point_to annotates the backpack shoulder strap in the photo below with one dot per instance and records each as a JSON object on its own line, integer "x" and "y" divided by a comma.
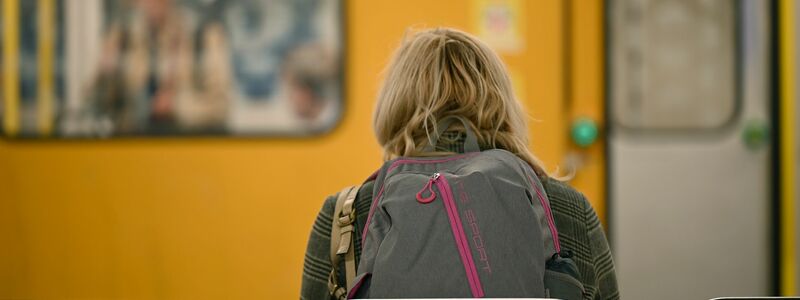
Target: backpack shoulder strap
{"x": 344, "y": 215}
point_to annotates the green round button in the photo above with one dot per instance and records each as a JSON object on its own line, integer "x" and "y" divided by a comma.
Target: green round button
{"x": 584, "y": 132}
{"x": 755, "y": 134}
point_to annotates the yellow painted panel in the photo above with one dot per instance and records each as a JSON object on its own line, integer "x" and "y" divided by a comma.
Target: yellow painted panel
{"x": 588, "y": 97}
{"x": 223, "y": 218}
{"x": 541, "y": 64}
{"x": 788, "y": 97}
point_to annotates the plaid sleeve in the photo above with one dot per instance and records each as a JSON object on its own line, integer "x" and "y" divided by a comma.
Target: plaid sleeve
{"x": 580, "y": 230}
{"x": 317, "y": 263}
{"x": 605, "y": 276}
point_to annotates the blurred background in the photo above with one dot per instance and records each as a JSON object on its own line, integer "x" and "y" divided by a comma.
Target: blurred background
{"x": 182, "y": 148}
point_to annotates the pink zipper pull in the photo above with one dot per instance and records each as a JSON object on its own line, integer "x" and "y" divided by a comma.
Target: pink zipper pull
{"x": 428, "y": 186}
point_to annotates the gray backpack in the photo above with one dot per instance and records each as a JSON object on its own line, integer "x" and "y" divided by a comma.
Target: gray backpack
{"x": 471, "y": 225}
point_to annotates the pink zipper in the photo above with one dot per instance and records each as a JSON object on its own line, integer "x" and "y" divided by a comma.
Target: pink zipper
{"x": 458, "y": 234}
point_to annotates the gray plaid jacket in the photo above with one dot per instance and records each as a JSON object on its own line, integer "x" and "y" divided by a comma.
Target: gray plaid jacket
{"x": 579, "y": 230}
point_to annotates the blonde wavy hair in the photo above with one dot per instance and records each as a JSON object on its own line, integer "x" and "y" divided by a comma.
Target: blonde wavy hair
{"x": 440, "y": 72}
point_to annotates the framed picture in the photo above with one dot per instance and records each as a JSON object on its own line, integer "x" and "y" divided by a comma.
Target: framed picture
{"x": 105, "y": 68}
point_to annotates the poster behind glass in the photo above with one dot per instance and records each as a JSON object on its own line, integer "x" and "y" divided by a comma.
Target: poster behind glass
{"x": 178, "y": 67}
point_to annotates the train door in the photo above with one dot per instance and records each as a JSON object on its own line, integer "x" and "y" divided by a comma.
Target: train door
{"x": 689, "y": 159}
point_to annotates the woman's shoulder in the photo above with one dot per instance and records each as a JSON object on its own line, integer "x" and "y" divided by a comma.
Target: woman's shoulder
{"x": 362, "y": 201}
{"x": 571, "y": 209}
{"x": 365, "y": 188}
{"x": 559, "y": 191}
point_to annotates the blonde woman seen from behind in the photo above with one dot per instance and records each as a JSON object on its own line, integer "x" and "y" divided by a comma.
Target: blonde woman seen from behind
{"x": 435, "y": 74}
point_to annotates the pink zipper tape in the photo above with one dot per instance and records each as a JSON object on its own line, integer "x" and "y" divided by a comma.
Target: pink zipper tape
{"x": 460, "y": 237}
{"x": 550, "y": 222}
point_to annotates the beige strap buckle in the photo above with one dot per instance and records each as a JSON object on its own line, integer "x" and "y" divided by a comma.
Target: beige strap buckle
{"x": 348, "y": 219}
